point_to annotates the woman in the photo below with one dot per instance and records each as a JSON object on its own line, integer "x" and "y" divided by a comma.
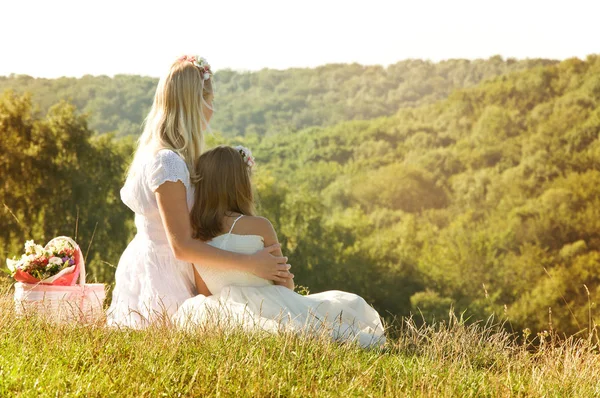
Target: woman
{"x": 154, "y": 275}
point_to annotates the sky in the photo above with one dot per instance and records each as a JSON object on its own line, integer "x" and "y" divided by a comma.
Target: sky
{"x": 73, "y": 38}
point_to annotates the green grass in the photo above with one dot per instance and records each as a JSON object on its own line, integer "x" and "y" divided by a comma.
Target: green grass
{"x": 38, "y": 358}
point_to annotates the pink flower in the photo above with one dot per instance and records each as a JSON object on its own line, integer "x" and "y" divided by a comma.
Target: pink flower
{"x": 189, "y": 58}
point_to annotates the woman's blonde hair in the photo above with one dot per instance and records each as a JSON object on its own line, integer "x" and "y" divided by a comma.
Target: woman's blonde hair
{"x": 224, "y": 186}
{"x": 176, "y": 120}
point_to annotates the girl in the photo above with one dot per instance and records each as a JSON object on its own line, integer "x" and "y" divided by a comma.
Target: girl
{"x": 154, "y": 275}
{"x": 223, "y": 216}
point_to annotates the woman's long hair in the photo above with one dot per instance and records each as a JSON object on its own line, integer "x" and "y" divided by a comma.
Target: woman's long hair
{"x": 177, "y": 119}
{"x": 223, "y": 187}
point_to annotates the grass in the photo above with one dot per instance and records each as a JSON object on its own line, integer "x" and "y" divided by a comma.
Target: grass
{"x": 38, "y": 358}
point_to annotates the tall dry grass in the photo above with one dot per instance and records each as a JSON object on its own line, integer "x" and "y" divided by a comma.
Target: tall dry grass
{"x": 454, "y": 358}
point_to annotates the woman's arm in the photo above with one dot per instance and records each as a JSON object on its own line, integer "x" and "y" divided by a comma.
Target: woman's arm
{"x": 172, "y": 205}
{"x": 270, "y": 238}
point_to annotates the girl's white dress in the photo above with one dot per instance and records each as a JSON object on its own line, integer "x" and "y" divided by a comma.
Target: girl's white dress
{"x": 150, "y": 282}
{"x": 241, "y": 299}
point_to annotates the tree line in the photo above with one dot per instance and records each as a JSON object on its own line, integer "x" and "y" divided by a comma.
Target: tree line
{"x": 273, "y": 101}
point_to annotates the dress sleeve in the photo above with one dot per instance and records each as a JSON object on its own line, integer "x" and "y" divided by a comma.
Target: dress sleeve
{"x": 167, "y": 166}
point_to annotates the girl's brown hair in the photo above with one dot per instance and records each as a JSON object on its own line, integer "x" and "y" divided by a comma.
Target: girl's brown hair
{"x": 223, "y": 187}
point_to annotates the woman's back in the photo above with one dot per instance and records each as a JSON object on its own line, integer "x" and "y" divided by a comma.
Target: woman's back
{"x": 150, "y": 282}
{"x": 147, "y": 174}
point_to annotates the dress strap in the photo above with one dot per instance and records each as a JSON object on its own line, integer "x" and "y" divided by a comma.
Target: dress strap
{"x": 224, "y": 243}
{"x": 236, "y": 220}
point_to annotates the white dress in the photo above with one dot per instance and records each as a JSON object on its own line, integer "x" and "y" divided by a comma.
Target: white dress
{"x": 150, "y": 282}
{"x": 241, "y": 299}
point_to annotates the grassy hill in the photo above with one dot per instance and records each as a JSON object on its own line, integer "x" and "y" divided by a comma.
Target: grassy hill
{"x": 451, "y": 359}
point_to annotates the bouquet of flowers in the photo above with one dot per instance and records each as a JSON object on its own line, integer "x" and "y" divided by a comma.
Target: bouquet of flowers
{"x": 56, "y": 264}
{"x": 51, "y": 282}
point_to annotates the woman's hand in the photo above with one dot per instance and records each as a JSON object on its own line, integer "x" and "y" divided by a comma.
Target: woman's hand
{"x": 267, "y": 266}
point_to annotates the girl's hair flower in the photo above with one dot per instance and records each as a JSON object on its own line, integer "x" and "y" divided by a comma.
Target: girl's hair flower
{"x": 246, "y": 155}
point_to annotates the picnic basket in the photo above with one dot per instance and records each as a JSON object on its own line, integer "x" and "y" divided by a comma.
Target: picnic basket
{"x": 77, "y": 301}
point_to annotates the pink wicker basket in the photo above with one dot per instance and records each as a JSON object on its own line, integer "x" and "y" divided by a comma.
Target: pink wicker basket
{"x": 78, "y": 302}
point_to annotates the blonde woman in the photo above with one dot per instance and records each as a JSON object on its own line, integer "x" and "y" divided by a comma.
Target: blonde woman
{"x": 154, "y": 275}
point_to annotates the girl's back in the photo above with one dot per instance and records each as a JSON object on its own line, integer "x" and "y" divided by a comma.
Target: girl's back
{"x": 240, "y": 299}
{"x": 247, "y": 239}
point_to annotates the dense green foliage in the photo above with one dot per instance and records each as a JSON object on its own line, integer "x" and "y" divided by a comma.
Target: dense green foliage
{"x": 274, "y": 101}
{"x": 487, "y": 201}
{"x": 59, "y": 179}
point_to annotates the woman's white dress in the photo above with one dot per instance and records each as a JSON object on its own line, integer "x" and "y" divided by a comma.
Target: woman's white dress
{"x": 241, "y": 299}
{"x": 150, "y": 282}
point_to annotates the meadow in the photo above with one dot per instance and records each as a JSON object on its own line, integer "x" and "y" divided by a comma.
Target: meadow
{"x": 461, "y": 199}
{"x": 39, "y": 358}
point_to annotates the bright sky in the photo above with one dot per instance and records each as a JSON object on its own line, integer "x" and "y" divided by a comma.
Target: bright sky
{"x": 52, "y": 38}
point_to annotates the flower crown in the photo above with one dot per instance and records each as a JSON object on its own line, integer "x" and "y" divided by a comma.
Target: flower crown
{"x": 200, "y": 63}
{"x": 246, "y": 155}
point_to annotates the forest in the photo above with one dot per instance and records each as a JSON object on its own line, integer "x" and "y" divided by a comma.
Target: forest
{"x": 471, "y": 185}
{"x": 272, "y": 101}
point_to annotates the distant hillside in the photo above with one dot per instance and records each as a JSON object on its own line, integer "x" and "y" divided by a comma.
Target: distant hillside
{"x": 488, "y": 201}
{"x": 273, "y": 101}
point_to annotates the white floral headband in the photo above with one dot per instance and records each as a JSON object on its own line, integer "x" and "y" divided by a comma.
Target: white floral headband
{"x": 246, "y": 155}
{"x": 200, "y": 63}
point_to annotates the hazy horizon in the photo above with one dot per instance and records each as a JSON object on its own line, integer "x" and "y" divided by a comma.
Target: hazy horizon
{"x": 55, "y": 39}
{"x": 307, "y": 67}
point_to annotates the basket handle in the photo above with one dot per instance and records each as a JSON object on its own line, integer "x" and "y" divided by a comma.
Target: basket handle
{"x": 78, "y": 250}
